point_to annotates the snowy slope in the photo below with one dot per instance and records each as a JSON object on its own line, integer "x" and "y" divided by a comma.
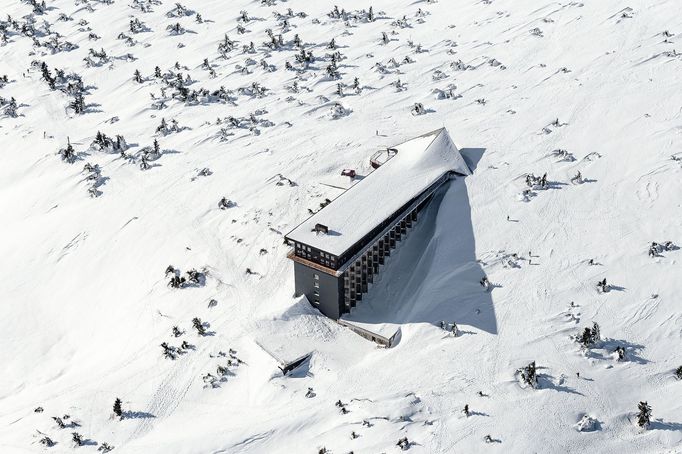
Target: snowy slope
{"x": 84, "y": 303}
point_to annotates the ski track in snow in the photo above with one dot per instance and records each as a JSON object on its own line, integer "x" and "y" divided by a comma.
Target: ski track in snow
{"x": 167, "y": 397}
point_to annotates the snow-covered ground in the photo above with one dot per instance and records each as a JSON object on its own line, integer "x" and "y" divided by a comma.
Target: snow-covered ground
{"x": 84, "y": 301}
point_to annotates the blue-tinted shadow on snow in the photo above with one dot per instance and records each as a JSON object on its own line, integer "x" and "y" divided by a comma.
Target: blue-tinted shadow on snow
{"x": 137, "y": 415}
{"x": 472, "y": 156}
{"x": 433, "y": 275}
{"x": 88, "y": 442}
{"x": 659, "y": 424}
{"x": 546, "y": 381}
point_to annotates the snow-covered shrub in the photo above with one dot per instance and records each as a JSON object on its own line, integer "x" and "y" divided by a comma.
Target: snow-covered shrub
{"x": 337, "y": 110}
{"x": 418, "y": 109}
{"x": 528, "y": 375}
{"x": 587, "y": 424}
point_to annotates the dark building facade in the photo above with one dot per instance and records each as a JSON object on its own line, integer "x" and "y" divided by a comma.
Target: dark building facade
{"x": 323, "y": 289}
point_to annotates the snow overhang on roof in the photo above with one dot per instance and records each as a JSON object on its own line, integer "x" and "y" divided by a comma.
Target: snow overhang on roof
{"x": 352, "y": 215}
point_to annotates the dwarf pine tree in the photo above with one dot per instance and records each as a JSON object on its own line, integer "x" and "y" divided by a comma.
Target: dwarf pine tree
{"x": 169, "y": 352}
{"x": 176, "y": 281}
{"x": 68, "y": 154}
{"x": 163, "y": 127}
{"x": 586, "y": 338}
{"x": 620, "y": 351}
{"x": 59, "y": 421}
{"x": 678, "y": 372}
{"x": 137, "y": 77}
{"x": 47, "y": 76}
{"x": 194, "y": 276}
{"x": 590, "y": 336}
{"x": 596, "y": 333}
{"x": 529, "y": 376}
{"x": 118, "y": 411}
{"x": 47, "y": 442}
{"x": 78, "y": 104}
{"x": 644, "y": 415}
{"x": 199, "y": 326}
{"x": 77, "y": 438}
{"x": 11, "y": 108}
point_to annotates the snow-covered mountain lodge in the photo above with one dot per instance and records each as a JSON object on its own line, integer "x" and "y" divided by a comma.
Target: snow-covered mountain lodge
{"x": 339, "y": 250}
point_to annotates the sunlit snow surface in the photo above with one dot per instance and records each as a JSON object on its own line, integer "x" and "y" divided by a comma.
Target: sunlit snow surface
{"x": 84, "y": 302}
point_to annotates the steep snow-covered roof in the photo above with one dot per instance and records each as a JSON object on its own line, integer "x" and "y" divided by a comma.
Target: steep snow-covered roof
{"x": 417, "y": 165}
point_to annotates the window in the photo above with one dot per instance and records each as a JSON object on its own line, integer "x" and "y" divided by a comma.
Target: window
{"x": 317, "y": 285}
{"x": 308, "y": 247}
{"x": 316, "y": 276}
{"x": 298, "y": 245}
{"x": 317, "y": 294}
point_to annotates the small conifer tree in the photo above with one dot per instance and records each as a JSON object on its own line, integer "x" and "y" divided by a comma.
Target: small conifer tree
{"x": 644, "y": 415}
{"x": 529, "y": 376}
{"x": 199, "y": 326}
{"x": 118, "y": 411}
{"x": 77, "y": 438}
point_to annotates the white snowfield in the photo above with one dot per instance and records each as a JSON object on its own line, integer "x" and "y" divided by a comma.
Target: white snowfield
{"x": 418, "y": 163}
{"x": 522, "y": 86}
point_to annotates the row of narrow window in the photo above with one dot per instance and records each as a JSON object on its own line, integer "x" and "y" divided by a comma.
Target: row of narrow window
{"x": 306, "y": 252}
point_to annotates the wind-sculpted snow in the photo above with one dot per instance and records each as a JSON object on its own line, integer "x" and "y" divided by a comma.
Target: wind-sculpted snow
{"x": 138, "y": 135}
